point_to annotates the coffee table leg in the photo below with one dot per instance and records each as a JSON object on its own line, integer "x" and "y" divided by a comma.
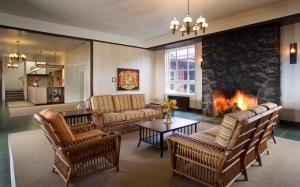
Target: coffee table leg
{"x": 195, "y": 127}
{"x": 140, "y": 137}
{"x": 161, "y": 142}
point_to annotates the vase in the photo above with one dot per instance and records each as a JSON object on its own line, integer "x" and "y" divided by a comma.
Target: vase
{"x": 168, "y": 118}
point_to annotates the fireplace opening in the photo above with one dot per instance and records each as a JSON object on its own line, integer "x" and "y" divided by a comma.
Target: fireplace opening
{"x": 230, "y": 101}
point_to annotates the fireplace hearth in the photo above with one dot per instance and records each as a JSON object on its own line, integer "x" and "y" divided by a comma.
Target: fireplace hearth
{"x": 230, "y": 101}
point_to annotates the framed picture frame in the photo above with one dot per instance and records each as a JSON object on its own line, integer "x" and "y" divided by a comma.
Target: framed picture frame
{"x": 128, "y": 79}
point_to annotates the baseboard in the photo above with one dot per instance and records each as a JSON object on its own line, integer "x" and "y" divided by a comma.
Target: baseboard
{"x": 285, "y": 122}
{"x": 196, "y": 110}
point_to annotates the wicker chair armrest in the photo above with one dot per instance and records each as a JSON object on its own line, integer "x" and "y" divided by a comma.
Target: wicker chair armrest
{"x": 83, "y": 127}
{"x": 197, "y": 145}
{"x": 198, "y": 153}
{"x": 89, "y": 142}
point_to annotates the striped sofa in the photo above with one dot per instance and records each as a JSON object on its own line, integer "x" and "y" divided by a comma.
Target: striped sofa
{"x": 122, "y": 112}
{"x": 216, "y": 157}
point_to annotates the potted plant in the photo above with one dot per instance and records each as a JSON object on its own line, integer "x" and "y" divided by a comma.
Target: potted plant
{"x": 168, "y": 107}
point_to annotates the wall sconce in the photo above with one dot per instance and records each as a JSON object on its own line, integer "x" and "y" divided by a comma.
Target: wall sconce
{"x": 200, "y": 61}
{"x": 293, "y": 53}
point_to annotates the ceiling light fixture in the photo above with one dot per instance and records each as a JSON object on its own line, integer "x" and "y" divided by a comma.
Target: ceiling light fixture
{"x": 187, "y": 26}
{"x": 15, "y": 58}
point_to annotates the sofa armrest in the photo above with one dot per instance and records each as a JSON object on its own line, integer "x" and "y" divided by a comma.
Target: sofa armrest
{"x": 183, "y": 149}
{"x": 153, "y": 106}
{"x": 97, "y": 118}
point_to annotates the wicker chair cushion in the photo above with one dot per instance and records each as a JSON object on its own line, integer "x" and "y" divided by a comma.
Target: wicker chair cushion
{"x": 212, "y": 131}
{"x": 102, "y": 103}
{"x": 87, "y": 134}
{"x": 138, "y": 101}
{"x": 58, "y": 123}
{"x": 113, "y": 117}
{"x": 150, "y": 112}
{"x": 269, "y": 105}
{"x": 133, "y": 114}
{"x": 122, "y": 102}
{"x": 205, "y": 138}
{"x": 228, "y": 127}
{"x": 258, "y": 109}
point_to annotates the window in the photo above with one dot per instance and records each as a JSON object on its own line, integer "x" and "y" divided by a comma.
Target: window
{"x": 180, "y": 66}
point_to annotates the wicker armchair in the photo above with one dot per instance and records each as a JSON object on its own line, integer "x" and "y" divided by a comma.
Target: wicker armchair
{"x": 81, "y": 150}
{"x": 200, "y": 158}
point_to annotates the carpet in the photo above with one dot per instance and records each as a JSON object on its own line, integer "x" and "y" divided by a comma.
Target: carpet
{"x": 32, "y": 159}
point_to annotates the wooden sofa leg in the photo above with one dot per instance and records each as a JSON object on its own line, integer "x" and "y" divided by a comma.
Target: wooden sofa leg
{"x": 244, "y": 170}
{"x": 258, "y": 158}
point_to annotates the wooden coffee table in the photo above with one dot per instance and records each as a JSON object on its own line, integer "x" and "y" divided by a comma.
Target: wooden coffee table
{"x": 81, "y": 116}
{"x": 152, "y": 132}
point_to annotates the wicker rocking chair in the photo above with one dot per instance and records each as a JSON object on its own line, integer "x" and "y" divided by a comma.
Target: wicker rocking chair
{"x": 81, "y": 150}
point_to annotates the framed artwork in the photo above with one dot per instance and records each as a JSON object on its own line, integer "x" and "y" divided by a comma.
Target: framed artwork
{"x": 128, "y": 79}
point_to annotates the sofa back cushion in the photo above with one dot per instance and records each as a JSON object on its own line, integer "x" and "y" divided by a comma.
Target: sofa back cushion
{"x": 269, "y": 105}
{"x": 226, "y": 136}
{"x": 58, "y": 124}
{"x": 258, "y": 109}
{"x": 138, "y": 101}
{"x": 103, "y": 103}
{"x": 122, "y": 102}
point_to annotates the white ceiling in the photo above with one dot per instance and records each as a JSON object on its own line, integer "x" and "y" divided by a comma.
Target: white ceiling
{"x": 31, "y": 43}
{"x": 140, "y": 19}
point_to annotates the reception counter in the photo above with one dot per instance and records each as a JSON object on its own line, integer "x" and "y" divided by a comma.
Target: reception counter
{"x": 37, "y": 95}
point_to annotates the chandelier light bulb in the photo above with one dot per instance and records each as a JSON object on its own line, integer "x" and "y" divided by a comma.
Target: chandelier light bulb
{"x": 201, "y": 20}
{"x": 175, "y": 22}
{"x": 205, "y": 25}
{"x": 182, "y": 28}
{"x": 196, "y": 28}
{"x": 187, "y": 19}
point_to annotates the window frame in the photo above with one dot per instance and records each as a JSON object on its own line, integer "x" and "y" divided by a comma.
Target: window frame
{"x": 168, "y": 71}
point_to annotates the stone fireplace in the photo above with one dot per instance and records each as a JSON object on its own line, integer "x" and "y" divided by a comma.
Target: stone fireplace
{"x": 244, "y": 60}
{"x": 228, "y": 101}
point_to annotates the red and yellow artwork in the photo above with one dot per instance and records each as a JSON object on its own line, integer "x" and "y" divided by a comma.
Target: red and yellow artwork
{"x": 128, "y": 79}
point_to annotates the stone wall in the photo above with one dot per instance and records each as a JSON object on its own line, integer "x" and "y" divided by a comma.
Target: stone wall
{"x": 246, "y": 59}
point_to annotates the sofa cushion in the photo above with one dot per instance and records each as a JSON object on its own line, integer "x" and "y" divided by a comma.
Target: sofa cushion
{"x": 113, "y": 117}
{"x": 269, "y": 105}
{"x": 138, "y": 101}
{"x": 150, "y": 112}
{"x": 102, "y": 103}
{"x": 59, "y": 125}
{"x": 133, "y": 114}
{"x": 228, "y": 126}
{"x": 122, "y": 102}
{"x": 258, "y": 109}
{"x": 202, "y": 137}
{"x": 212, "y": 131}
{"x": 87, "y": 134}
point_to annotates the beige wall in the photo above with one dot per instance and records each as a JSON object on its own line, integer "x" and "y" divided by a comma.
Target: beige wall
{"x": 109, "y": 57}
{"x": 290, "y": 74}
{"x": 77, "y": 60}
{"x": 160, "y": 77}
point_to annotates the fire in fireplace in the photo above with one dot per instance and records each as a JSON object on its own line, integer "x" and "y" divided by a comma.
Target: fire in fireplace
{"x": 232, "y": 101}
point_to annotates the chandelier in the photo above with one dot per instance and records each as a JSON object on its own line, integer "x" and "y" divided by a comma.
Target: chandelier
{"x": 15, "y": 58}
{"x": 187, "y": 26}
